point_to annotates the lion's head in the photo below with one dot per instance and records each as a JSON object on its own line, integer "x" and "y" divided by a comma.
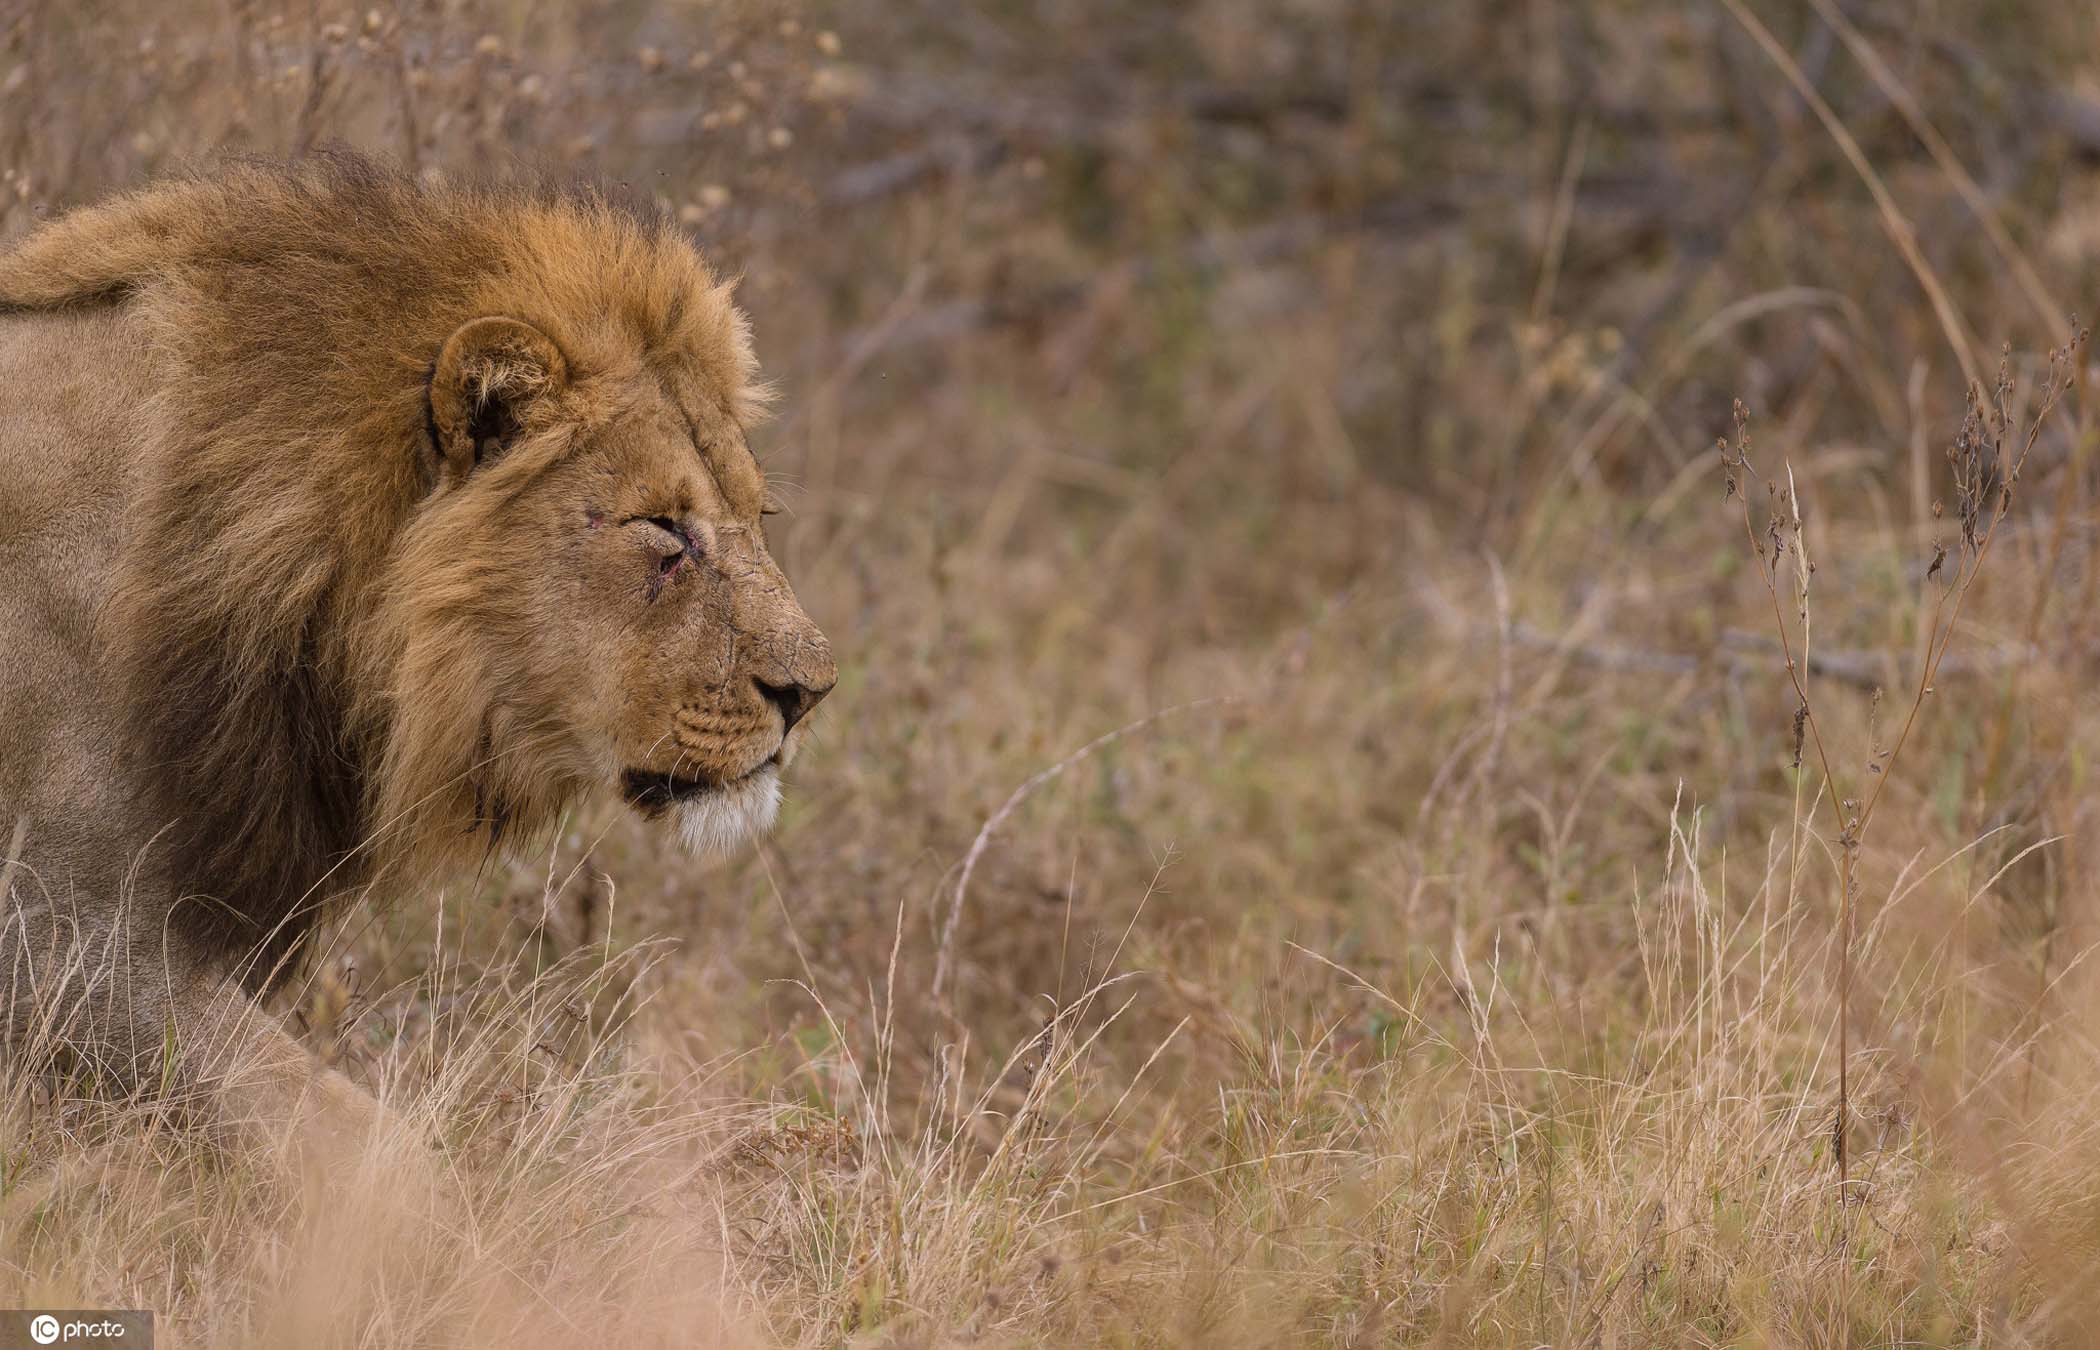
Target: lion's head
{"x": 593, "y": 552}
{"x": 446, "y": 520}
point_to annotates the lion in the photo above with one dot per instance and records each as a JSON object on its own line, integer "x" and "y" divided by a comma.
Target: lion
{"x": 353, "y": 526}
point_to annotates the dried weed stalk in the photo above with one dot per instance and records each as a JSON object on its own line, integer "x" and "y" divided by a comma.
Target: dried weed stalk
{"x": 1987, "y": 458}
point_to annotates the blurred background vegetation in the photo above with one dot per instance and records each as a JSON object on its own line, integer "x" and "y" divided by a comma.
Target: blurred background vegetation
{"x": 1349, "y": 369}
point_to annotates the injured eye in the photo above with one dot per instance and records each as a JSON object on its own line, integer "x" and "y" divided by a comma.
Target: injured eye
{"x": 670, "y": 540}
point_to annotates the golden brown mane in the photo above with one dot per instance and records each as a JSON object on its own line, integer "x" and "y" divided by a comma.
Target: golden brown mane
{"x": 261, "y": 622}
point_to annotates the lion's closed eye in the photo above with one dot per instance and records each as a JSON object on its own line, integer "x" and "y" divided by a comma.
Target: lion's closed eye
{"x": 673, "y": 541}
{"x": 668, "y": 533}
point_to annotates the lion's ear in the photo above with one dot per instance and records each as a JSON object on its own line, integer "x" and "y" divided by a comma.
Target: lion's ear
{"x": 485, "y": 382}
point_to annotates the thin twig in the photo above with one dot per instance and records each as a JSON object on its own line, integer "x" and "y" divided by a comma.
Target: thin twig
{"x": 1986, "y": 471}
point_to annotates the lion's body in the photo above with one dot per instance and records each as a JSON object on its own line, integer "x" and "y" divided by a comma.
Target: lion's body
{"x": 75, "y": 386}
{"x": 316, "y": 577}
{"x": 78, "y": 385}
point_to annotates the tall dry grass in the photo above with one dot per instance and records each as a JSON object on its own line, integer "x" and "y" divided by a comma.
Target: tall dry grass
{"x": 1464, "y": 967}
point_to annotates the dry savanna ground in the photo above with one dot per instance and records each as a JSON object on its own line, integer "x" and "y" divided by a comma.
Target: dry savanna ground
{"x": 1317, "y": 841}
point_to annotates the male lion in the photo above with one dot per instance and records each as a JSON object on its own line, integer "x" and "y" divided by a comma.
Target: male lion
{"x": 351, "y": 527}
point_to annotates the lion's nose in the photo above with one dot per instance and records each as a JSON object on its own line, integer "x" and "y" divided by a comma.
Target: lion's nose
{"x": 793, "y": 700}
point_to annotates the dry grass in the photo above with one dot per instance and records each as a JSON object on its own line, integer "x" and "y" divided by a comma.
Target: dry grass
{"x": 1460, "y": 965}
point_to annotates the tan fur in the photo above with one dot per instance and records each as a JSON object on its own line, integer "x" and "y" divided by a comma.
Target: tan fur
{"x": 356, "y": 526}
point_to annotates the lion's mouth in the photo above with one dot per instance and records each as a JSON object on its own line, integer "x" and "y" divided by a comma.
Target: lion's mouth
{"x": 652, "y": 791}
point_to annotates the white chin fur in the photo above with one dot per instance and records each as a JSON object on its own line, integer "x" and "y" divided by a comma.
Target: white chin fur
{"x": 719, "y": 821}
